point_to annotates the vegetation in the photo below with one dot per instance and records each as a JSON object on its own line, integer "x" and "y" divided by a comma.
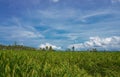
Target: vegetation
{"x": 15, "y": 47}
{"x": 35, "y": 63}
{"x": 21, "y": 47}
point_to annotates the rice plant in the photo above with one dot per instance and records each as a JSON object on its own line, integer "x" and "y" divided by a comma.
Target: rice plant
{"x": 59, "y": 64}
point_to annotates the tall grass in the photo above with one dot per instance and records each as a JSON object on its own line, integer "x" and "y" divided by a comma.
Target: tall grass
{"x": 59, "y": 64}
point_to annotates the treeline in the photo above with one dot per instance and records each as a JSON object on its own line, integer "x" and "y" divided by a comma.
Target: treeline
{"x": 47, "y": 48}
{"x": 22, "y": 47}
{"x": 15, "y": 47}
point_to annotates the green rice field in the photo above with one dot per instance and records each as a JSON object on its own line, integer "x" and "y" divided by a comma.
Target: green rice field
{"x": 59, "y": 64}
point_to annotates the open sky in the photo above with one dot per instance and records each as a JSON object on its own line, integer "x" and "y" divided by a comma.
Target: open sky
{"x": 61, "y": 23}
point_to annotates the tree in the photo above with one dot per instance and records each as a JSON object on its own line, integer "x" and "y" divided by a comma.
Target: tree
{"x": 47, "y": 48}
{"x": 93, "y": 50}
{"x": 50, "y": 48}
{"x": 73, "y": 48}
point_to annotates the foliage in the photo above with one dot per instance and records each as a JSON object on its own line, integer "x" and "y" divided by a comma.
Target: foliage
{"x": 73, "y": 48}
{"x": 15, "y": 47}
{"x": 59, "y": 64}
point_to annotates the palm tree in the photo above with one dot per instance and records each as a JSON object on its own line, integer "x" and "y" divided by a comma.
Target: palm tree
{"x": 50, "y": 48}
{"x": 47, "y": 48}
{"x": 73, "y": 48}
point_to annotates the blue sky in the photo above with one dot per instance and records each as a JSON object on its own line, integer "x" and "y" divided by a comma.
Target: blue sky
{"x": 61, "y": 23}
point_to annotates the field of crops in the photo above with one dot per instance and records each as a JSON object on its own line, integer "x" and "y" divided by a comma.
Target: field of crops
{"x": 59, "y": 64}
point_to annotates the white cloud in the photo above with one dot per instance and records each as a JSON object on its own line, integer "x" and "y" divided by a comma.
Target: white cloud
{"x": 69, "y": 17}
{"x": 100, "y": 43}
{"x": 108, "y": 14}
{"x": 48, "y": 44}
{"x": 26, "y": 34}
{"x": 96, "y": 13}
{"x": 55, "y": 1}
{"x": 115, "y": 1}
{"x": 56, "y": 14}
{"x": 18, "y": 32}
{"x": 72, "y": 36}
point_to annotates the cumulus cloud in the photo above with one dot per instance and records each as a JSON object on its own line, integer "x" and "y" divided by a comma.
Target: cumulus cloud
{"x": 48, "y": 44}
{"x": 111, "y": 43}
